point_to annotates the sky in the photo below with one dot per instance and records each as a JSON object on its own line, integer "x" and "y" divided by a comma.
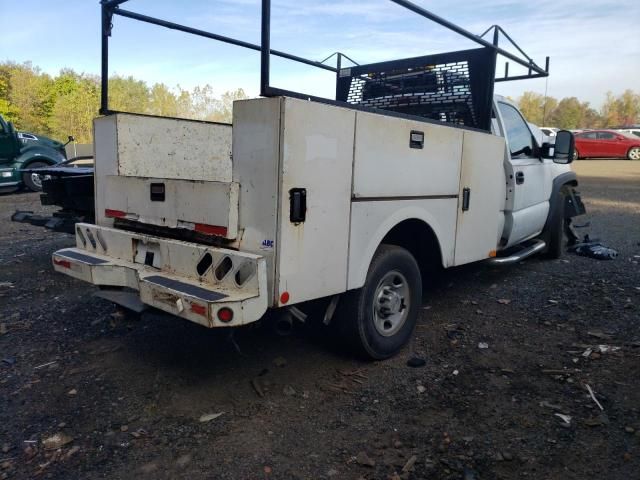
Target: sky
{"x": 594, "y": 45}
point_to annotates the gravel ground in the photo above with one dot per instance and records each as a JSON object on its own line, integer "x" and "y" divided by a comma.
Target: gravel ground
{"x": 504, "y": 394}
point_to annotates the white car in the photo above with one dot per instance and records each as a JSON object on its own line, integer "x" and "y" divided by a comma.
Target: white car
{"x": 630, "y": 131}
{"x": 549, "y": 131}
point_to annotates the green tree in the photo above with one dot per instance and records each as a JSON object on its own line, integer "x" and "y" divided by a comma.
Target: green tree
{"x": 162, "y": 101}
{"x": 7, "y": 110}
{"x": 75, "y": 110}
{"x": 128, "y": 94}
{"x": 537, "y": 108}
{"x": 224, "y": 109}
{"x": 571, "y": 113}
{"x": 30, "y": 96}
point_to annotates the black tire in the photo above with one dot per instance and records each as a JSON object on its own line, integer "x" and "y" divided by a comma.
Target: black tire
{"x": 576, "y": 154}
{"x": 555, "y": 228}
{"x": 28, "y": 179}
{"x": 377, "y": 320}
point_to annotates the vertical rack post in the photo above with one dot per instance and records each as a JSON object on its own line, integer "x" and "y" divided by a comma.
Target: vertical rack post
{"x": 338, "y": 68}
{"x": 265, "y": 47}
{"x": 104, "y": 79}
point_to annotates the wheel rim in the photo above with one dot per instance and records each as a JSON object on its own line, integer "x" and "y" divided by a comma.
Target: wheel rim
{"x": 391, "y": 303}
{"x": 575, "y": 154}
{"x": 36, "y": 180}
{"x": 634, "y": 154}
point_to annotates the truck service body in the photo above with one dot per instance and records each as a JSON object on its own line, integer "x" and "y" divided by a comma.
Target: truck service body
{"x": 301, "y": 200}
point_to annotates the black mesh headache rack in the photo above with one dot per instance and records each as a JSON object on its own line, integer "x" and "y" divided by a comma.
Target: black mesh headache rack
{"x": 453, "y": 87}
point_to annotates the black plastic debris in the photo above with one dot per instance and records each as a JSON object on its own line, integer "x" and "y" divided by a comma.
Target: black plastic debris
{"x": 416, "y": 362}
{"x": 593, "y": 249}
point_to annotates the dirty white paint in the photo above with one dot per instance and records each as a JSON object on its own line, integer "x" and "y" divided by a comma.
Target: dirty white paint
{"x": 210, "y": 203}
{"x": 170, "y": 148}
{"x": 386, "y": 166}
{"x": 372, "y": 220}
{"x": 361, "y": 179}
{"x": 105, "y": 162}
{"x": 478, "y": 229}
{"x": 124, "y": 253}
{"x": 317, "y": 154}
{"x": 256, "y": 160}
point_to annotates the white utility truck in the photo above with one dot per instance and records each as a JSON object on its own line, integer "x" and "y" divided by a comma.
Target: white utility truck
{"x": 301, "y": 200}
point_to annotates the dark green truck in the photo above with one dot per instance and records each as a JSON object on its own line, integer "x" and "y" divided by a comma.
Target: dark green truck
{"x": 19, "y": 151}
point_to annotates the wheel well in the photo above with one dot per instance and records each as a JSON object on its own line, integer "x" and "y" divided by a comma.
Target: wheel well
{"x": 46, "y": 160}
{"x": 420, "y": 240}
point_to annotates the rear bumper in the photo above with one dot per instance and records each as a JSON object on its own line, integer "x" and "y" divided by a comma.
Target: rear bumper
{"x": 188, "y": 280}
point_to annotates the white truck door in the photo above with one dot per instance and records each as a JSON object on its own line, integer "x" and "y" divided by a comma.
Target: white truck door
{"x": 527, "y": 202}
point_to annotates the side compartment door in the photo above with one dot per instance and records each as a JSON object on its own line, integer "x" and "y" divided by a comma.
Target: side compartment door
{"x": 480, "y": 217}
{"x": 527, "y": 186}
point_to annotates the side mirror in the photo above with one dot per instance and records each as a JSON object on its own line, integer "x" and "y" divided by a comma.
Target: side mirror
{"x": 564, "y": 148}
{"x": 71, "y": 138}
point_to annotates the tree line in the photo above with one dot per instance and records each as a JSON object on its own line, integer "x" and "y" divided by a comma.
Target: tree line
{"x": 66, "y": 104}
{"x": 571, "y": 113}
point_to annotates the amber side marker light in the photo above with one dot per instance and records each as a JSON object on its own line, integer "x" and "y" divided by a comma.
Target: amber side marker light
{"x": 225, "y": 314}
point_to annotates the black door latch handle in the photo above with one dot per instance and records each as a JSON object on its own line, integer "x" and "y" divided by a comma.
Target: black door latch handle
{"x": 519, "y": 178}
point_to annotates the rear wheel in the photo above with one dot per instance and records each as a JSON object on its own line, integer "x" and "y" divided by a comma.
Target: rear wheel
{"x": 33, "y": 181}
{"x": 634, "y": 153}
{"x": 378, "y": 319}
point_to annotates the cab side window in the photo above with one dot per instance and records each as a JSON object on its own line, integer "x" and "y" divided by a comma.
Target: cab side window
{"x": 606, "y": 136}
{"x": 518, "y": 134}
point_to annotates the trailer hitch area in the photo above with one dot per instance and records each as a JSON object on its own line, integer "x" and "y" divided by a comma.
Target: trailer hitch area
{"x": 147, "y": 253}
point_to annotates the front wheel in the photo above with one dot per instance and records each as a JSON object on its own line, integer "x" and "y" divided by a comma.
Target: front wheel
{"x": 576, "y": 155}
{"x": 378, "y": 319}
{"x": 634, "y": 153}
{"x": 32, "y": 180}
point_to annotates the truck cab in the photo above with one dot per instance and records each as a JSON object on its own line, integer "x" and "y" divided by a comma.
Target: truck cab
{"x": 532, "y": 179}
{"x": 28, "y": 151}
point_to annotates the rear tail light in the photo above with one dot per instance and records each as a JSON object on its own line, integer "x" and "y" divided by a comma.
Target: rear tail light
{"x": 114, "y": 213}
{"x": 210, "y": 229}
{"x": 62, "y": 263}
{"x": 225, "y": 314}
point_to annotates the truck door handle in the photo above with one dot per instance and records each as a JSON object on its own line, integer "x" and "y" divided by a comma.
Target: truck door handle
{"x": 519, "y": 178}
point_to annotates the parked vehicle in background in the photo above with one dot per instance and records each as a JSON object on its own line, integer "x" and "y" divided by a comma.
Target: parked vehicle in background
{"x": 606, "y": 144}
{"x": 19, "y": 151}
{"x": 632, "y": 131}
{"x": 550, "y": 131}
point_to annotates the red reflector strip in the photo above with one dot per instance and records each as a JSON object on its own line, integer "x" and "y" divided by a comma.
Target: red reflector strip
{"x": 62, "y": 263}
{"x": 199, "y": 309}
{"x": 114, "y": 213}
{"x": 211, "y": 229}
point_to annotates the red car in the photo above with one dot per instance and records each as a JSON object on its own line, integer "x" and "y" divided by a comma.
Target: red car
{"x": 607, "y": 144}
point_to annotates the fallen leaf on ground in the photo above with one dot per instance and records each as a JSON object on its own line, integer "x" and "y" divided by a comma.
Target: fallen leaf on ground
{"x": 210, "y": 416}
{"x": 56, "y": 441}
